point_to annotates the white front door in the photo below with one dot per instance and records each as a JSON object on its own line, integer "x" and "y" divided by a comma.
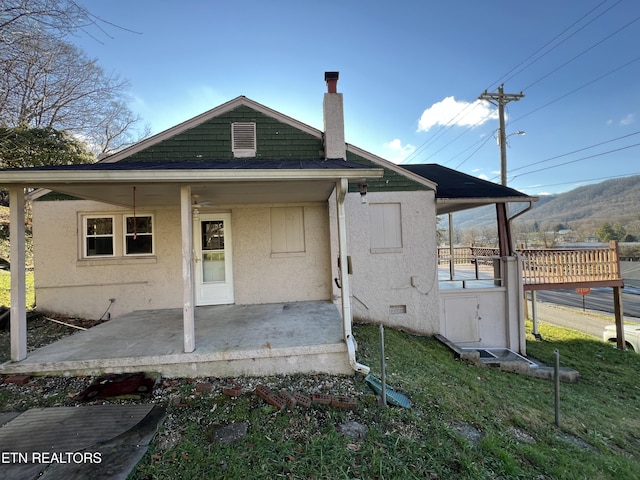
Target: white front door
{"x": 214, "y": 274}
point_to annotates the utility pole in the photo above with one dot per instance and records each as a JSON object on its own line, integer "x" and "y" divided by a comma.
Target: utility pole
{"x": 500, "y": 99}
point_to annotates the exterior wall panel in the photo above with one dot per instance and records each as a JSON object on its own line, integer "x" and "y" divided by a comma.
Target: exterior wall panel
{"x": 70, "y": 285}
{"x": 398, "y": 288}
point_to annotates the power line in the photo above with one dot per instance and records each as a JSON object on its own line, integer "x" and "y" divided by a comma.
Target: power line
{"x": 577, "y": 89}
{"x": 578, "y": 160}
{"x": 563, "y": 41}
{"x": 584, "y": 180}
{"x": 582, "y": 53}
{"x": 465, "y": 111}
{"x": 576, "y": 151}
{"x": 441, "y": 131}
{"x": 472, "y": 153}
{"x": 444, "y": 128}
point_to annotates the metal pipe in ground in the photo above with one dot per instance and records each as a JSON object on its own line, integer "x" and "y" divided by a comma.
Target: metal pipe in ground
{"x": 383, "y": 367}
{"x": 556, "y": 378}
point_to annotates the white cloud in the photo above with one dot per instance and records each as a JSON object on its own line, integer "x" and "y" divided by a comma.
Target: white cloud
{"x": 456, "y": 112}
{"x": 483, "y": 176}
{"x": 627, "y": 120}
{"x": 396, "y": 152}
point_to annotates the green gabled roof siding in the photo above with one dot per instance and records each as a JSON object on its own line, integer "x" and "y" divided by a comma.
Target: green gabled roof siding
{"x": 212, "y": 140}
{"x": 390, "y": 182}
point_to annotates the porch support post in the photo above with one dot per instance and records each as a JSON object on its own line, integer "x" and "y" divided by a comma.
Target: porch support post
{"x": 188, "y": 296}
{"x": 342, "y": 187}
{"x": 504, "y": 234}
{"x": 617, "y": 299}
{"x": 619, "y": 314}
{"x": 18, "y": 323}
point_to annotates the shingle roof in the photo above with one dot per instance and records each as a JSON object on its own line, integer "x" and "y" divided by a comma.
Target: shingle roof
{"x": 457, "y": 191}
{"x": 454, "y": 184}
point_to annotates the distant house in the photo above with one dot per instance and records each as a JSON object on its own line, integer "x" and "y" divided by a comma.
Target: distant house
{"x": 244, "y": 205}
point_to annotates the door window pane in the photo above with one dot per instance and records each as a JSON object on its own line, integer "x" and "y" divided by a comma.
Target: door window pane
{"x": 213, "y": 235}
{"x": 213, "y": 267}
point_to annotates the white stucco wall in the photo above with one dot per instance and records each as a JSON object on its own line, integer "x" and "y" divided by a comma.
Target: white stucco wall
{"x": 400, "y": 287}
{"x": 68, "y": 284}
{"x": 263, "y": 277}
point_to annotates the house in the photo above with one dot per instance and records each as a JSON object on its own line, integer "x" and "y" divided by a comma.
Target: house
{"x": 242, "y": 206}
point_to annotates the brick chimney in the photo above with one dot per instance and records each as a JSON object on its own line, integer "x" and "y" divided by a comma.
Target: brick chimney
{"x": 334, "y": 144}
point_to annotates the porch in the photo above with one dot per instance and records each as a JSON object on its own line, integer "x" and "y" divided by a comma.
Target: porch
{"x": 230, "y": 340}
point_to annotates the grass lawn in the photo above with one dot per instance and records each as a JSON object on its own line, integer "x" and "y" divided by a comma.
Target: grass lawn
{"x": 466, "y": 422}
{"x": 5, "y": 289}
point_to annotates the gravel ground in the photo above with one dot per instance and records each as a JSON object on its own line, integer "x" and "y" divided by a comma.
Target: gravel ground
{"x": 182, "y": 397}
{"x": 53, "y": 391}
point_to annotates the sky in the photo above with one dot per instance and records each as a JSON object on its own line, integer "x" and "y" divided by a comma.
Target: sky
{"x": 411, "y": 73}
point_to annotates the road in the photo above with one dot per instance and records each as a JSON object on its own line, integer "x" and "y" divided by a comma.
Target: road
{"x": 564, "y": 308}
{"x": 600, "y": 299}
{"x": 589, "y": 322}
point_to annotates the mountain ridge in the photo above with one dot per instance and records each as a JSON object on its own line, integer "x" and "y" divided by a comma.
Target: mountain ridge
{"x": 583, "y": 209}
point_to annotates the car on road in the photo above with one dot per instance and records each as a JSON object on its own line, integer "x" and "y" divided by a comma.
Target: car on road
{"x": 631, "y": 336}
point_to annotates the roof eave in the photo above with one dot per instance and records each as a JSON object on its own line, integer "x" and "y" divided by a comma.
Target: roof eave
{"x": 44, "y": 178}
{"x": 451, "y": 205}
{"x": 393, "y": 167}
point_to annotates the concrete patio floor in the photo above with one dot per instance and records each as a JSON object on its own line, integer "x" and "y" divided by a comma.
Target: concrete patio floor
{"x": 231, "y": 340}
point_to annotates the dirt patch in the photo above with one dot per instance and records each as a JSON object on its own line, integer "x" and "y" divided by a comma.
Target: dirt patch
{"x": 468, "y": 431}
{"x": 43, "y": 330}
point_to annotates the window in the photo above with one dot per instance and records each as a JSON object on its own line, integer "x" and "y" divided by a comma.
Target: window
{"x": 386, "y": 227}
{"x": 243, "y": 139}
{"x": 98, "y": 236}
{"x": 287, "y": 230}
{"x": 138, "y": 235}
{"x": 117, "y": 235}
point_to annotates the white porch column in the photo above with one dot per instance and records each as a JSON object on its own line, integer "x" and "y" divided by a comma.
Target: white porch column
{"x": 18, "y": 278}
{"x": 188, "y": 294}
{"x": 342, "y": 187}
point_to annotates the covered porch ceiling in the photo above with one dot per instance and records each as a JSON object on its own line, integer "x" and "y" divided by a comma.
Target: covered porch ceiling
{"x": 212, "y": 183}
{"x": 206, "y": 194}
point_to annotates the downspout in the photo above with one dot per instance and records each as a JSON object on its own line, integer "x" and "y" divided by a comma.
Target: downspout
{"x": 531, "y": 202}
{"x": 342, "y": 187}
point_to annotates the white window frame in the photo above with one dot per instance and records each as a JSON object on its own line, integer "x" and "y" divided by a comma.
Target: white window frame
{"x": 125, "y": 235}
{"x": 243, "y": 139}
{"x": 86, "y": 236}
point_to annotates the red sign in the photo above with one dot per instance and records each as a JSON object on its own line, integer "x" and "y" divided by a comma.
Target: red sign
{"x": 583, "y": 290}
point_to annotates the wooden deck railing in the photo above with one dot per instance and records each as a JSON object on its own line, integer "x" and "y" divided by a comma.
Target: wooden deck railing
{"x": 549, "y": 268}
{"x": 575, "y": 267}
{"x": 467, "y": 255}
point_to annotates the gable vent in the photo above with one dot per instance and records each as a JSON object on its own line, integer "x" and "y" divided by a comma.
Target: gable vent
{"x": 243, "y": 139}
